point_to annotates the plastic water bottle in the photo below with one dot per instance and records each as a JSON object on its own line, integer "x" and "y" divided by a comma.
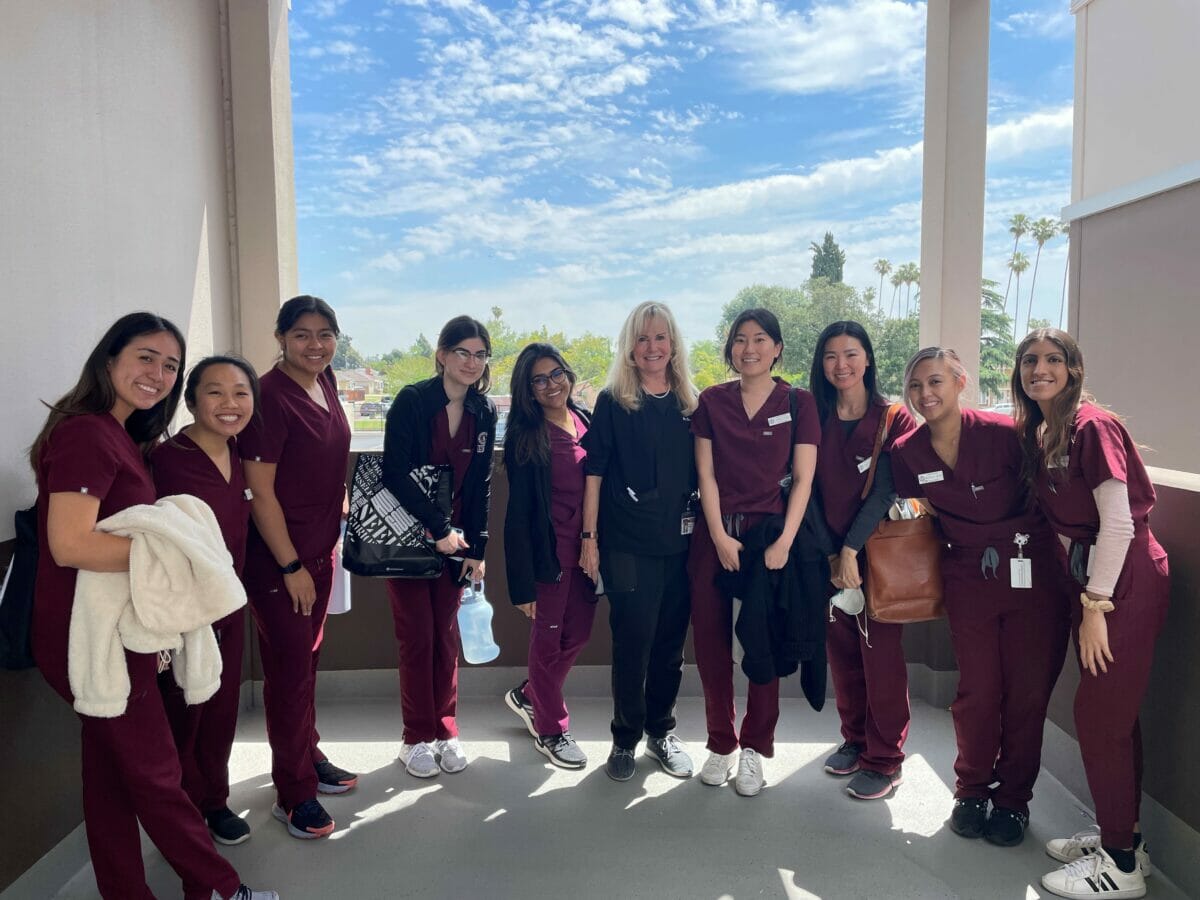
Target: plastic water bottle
{"x": 475, "y": 626}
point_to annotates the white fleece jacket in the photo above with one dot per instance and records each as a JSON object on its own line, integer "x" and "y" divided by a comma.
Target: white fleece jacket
{"x": 180, "y": 581}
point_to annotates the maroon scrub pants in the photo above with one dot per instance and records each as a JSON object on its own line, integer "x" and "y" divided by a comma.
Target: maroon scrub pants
{"x": 1106, "y": 705}
{"x": 131, "y": 775}
{"x": 556, "y": 636}
{"x": 712, "y": 637}
{"x": 870, "y": 683}
{"x": 425, "y": 612}
{"x": 204, "y": 732}
{"x": 1010, "y": 645}
{"x": 290, "y": 645}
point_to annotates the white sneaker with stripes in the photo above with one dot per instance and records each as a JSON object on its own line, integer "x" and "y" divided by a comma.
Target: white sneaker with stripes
{"x": 1087, "y": 842}
{"x": 1095, "y": 876}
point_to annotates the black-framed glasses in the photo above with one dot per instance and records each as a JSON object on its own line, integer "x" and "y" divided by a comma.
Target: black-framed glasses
{"x": 482, "y": 357}
{"x": 541, "y": 382}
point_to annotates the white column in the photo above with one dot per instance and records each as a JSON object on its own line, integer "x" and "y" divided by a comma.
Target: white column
{"x": 956, "y": 95}
{"x": 264, "y": 224}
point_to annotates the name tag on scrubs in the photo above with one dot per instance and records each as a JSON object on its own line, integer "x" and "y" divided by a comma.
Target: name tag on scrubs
{"x": 931, "y": 477}
{"x": 864, "y": 464}
{"x": 1020, "y": 573}
{"x": 687, "y": 522}
{"x": 248, "y": 494}
{"x": 780, "y": 419}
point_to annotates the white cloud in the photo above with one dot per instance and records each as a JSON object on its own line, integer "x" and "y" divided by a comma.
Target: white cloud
{"x": 325, "y": 9}
{"x": 1035, "y": 131}
{"x": 1055, "y": 23}
{"x": 396, "y": 260}
{"x": 654, "y": 15}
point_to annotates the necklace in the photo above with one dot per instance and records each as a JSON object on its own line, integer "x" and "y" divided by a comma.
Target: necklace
{"x": 662, "y": 396}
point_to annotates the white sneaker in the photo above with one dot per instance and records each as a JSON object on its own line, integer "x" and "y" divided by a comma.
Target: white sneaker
{"x": 419, "y": 760}
{"x": 716, "y": 768}
{"x": 450, "y": 755}
{"x": 1095, "y": 875}
{"x": 749, "y": 779}
{"x": 1087, "y": 842}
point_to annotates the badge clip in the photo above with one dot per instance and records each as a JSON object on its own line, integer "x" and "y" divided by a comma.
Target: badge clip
{"x": 1020, "y": 569}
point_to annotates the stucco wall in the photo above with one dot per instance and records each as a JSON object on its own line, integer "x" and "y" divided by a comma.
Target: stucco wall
{"x": 1135, "y": 92}
{"x": 114, "y": 188}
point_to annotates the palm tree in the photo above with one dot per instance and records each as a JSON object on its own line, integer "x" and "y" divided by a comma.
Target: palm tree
{"x": 895, "y": 281}
{"x": 1062, "y": 306}
{"x": 1018, "y": 227}
{"x": 1044, "y": 229}
{"x": 909, "y": 275}
{"x": 1018, "y": 264}
{"x": 882, "y": 266}
{"x": 914, "y": 273}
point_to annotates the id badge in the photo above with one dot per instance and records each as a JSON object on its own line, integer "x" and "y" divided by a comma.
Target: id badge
{"x": 687, "y": 522}
{"x": 1021, "y": 573}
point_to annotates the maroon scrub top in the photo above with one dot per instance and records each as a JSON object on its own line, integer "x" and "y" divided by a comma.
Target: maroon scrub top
{"x": 841, "y": 475}
{"x": 181, "y": 467}
{"x": 310, "y": 448}
{"x": 983, "y": 501}
{"x": 751, "y": 456}
{"x": 94, "y": 455}
{"x": 454, "y": 452}
{"x": 566, "y": 488}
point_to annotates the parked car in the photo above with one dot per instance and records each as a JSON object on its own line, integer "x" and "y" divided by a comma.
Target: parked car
{"x": 1004, "y": 409}
{"x": 370, "y": 410}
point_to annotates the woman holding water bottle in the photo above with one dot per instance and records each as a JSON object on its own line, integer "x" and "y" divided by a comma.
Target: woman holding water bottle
{"x": 445, "y": 420}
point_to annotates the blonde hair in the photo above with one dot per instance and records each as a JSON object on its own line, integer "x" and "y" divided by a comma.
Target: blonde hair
{"x": 945, "y": 354}
{"x": 623, "y": 381}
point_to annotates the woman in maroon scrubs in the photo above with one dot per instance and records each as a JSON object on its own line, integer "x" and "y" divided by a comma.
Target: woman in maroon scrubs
{"x": 446, "y": 420}
{"x": 294, "y": 454}
{"x": 90, "y": 463}
{"x": 1094, "y": 489}
{"x": 746, "y": 443}
{"x": 1004, "y": 593}
{"x": 544, "y": 460}
{"x": 202, "y": 460}
{"x": 870, "y": 675}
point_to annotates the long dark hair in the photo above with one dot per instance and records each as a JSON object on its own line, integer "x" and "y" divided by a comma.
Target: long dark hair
{"x": 463, "y": 328}
{"x": 818, "y": 384}
{"x": 93, "y": 393}
{"x": 525, "y": 437}
{"x": 1055, "y": 442}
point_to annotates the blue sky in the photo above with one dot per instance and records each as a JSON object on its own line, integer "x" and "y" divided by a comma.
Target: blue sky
{"x": 567, "y": 159}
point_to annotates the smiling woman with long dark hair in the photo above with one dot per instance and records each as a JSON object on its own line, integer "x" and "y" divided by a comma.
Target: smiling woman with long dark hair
{"x": 544, "y": 461}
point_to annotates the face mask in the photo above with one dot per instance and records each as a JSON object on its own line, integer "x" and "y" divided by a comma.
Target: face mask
{"x": 850, "y": 601}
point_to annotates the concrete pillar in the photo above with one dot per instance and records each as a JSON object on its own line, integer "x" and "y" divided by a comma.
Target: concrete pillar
{"x": 956, "y": 98}
{"x": 263, "y": 222}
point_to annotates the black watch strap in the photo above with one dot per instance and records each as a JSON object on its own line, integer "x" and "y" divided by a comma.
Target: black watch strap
{"x": 291, "y": 568}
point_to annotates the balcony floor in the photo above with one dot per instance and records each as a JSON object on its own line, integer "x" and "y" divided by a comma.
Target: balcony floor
{"x": 512, "y": 826}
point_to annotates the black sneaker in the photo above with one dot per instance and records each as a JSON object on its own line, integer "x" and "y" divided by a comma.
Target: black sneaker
{"x": 307, "y": 820}
{"x": 670, "y": 755}
{"x": 844, "y": 760}
{"x": 332, "y": 780}
{"x": 969, "y": 817}
{"x": 621, "y": 765}
{"x": 561, "y": 750}
{"x": 227, "y": 827}
{"x": 1005, "y": 827}
{"x": 519, "y": 704}
{"x": 867, "y": 784}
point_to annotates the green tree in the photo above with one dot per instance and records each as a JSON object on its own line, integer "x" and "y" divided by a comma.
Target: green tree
{"x": 590, "y": 355}
{"x": 883, "y": 267}
{"x": 1044, "y": 229}
{"x": 707, "y": 363}
{"x": 1018, "y": 264}
{"x": 895, "y": 282}
{"x": 1035, "y": 324}
{"x": 1062, "y": 305}
{"x": 895, "y": 341}
{"x": 345, "y": 356}
{"x": 1018, "y": 227}
{"x": 828, "y": 259}
{"x": 996, "y": 347}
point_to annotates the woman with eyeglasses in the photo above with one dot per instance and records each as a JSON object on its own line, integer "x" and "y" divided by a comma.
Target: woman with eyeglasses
{"x": 445, "y": 420}
{"x": 544, "y": 460}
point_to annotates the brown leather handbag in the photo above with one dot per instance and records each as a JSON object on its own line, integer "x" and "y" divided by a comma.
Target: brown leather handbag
{"x": 903, "y": 559}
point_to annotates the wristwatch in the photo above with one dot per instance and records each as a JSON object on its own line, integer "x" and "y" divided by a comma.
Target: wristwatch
{"x": 291, "y": 568}
{"x": 588, "y": 535}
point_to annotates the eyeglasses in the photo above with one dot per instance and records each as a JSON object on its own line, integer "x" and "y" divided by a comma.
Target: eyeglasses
{"x": 482, "y": 357}
{"x": 541, "y": 382}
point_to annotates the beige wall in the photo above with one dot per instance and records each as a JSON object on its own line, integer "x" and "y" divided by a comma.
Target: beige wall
{"x": 1135, "y": 92}
{"x": 113, "y": 181}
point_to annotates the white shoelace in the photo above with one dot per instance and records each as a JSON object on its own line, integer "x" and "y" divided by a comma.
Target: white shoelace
{"x": 1084, "y": 867}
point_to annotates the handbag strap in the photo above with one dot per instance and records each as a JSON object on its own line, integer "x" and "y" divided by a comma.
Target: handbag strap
{"x": 885, "y": 425}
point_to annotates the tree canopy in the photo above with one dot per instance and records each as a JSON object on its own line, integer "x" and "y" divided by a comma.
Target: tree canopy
{"x": 828, "y": 259}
